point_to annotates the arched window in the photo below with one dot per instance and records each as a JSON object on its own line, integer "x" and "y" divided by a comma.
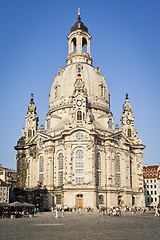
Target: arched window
{"x": 118, "y": 164}
{"x": 28, "y": 167}
{"x": 60, "y": 161}
{"x": 41, "y": 176}
{"x": 74, "y": 44}
{"x": 133, "y": 200}
{"x": 110, "y": 123}
{"x": 102, "y": 90}
{"x": 28, "y": 181}
{"x": 98, "y": 178}
{"x": 58, "y": 199}
{"x": 98, "y": 160}
{"x": 79, "y": 167}
{"x": 29, "y": 133}
{"x": 79, "y": 115}
{"x": 60, "y": 169}
{"x": 48, "y": 123}
{"x": 84, "y": 44}
{"x": 98, "y": 170}
{"x": 118, "y": 171}
{"x": 79, "y": 176}
{"x": 79, "y": 158}
{"x": 60, "y": 178}
{"x": 101, "y": 199}
{"x": 130, "y": 172}
{"x": 129, "y": 132}
{"x": 41, "y": 170}
{"x": 41, "y": 164}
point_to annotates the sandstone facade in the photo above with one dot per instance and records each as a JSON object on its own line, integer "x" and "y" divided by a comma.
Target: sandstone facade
{"x": 79, "y": 156}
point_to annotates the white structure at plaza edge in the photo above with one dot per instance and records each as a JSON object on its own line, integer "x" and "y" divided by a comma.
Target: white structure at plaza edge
{"x": 151, "y": 176}
{"x": 79, "y": 157}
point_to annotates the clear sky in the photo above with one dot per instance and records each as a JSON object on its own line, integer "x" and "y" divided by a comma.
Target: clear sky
{"x": 125, "y": 45}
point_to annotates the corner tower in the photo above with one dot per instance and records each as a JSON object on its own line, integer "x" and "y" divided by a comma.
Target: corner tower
{"x": 127, "y": 119}
{"x": 31, "y": 119}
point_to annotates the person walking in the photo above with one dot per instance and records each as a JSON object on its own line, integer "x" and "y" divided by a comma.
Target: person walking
{"x": 63, "y": 212}
{"x": 56, "y": 213}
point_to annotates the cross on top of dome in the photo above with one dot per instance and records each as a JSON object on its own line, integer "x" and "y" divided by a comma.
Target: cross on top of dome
{"x": 79, "y": 24}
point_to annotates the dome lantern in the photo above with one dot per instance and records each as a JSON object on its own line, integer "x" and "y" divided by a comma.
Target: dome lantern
{"x": 79, "y": 43}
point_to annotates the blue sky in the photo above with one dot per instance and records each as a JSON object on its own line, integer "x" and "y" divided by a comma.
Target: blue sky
{"x": 125, "y": 45}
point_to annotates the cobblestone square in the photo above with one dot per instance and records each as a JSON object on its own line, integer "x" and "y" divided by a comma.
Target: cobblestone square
{"x": 84, "y": 226}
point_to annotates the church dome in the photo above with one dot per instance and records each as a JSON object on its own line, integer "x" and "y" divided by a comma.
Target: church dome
{"x": 64, "y": 85}
{"x": 79, "y": 81}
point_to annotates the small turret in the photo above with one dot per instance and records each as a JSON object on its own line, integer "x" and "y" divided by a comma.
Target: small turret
{"x": 31, "y": 107}
{"x": 127, "y": 118}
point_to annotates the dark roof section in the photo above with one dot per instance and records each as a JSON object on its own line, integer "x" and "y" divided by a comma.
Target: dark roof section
{"x": 79, "y": 25}
{"x": 2, "y": 183}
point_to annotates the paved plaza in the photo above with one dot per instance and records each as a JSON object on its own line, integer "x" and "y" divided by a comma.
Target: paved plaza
{"x": 84, "y": 226}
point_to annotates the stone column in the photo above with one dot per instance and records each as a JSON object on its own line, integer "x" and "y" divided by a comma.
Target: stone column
{"x": 88, "y": 46}
{"x": 79, "y": 43}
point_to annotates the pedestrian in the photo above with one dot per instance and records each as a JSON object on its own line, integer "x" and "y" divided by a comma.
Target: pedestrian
{"x": 35, "y": 210}
{"x": 158, "y": 212}
{"x": 79, "y": 210}
{"x": 97, "y": 211}
{"x": 143, "y": 210}
{"x": 63, "y": 212}
{"x": 56, "y": 213}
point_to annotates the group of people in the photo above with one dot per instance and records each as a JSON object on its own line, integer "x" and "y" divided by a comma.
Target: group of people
{"x": 134, "y": 210}
{"x": 16, "y": 212}
{"x": 110, "y": 212}
{"x": 115, "y": 211}
{"x": 58, "y": 211}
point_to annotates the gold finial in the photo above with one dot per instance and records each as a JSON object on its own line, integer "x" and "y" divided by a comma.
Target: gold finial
{"x": 79, "y": 12}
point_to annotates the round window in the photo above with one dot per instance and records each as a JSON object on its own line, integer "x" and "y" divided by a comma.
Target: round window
{"x": 79, "y": 136}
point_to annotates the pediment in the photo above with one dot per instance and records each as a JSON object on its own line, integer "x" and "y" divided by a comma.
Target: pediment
{"x": 39, "y": 135}
{"x": 121, "y": 136}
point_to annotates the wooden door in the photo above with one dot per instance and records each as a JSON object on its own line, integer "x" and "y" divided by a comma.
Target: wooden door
{"x": 80, "y": 203}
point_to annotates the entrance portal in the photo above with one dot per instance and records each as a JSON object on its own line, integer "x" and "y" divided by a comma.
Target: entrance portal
{"x": 120, "y": 201}
{"x": 79, "y": 201}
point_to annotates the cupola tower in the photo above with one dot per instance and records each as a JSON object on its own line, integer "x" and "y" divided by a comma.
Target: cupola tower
{"x": 79, "y": 43}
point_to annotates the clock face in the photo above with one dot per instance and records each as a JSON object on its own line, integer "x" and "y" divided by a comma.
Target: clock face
{"x": 79, "y": 103}
{"x": 128, "y": 121}
{"x": 30, "y": 122}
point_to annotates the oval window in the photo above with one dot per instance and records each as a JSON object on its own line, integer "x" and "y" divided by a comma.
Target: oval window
{"x": 79, "y": 136}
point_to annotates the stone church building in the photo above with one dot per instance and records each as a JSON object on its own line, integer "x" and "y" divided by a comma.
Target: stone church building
{"x": 79, "y": 156}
